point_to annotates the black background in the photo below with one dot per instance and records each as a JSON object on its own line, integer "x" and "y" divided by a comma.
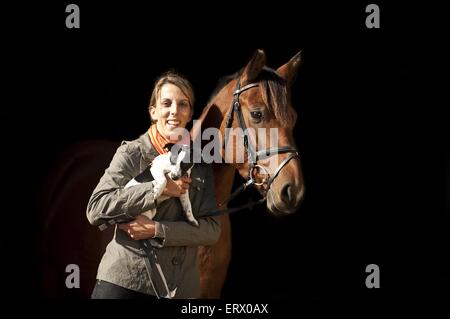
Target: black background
{"x": 372, "y": 131}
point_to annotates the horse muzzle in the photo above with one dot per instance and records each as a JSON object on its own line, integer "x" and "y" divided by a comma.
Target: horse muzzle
{"x": 286, "y": 201}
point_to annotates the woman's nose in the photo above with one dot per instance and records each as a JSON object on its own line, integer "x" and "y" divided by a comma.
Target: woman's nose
{"x": 174, "y": 108}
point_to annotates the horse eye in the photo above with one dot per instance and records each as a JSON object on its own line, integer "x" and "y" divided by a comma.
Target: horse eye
{"x": 257, "y": 115}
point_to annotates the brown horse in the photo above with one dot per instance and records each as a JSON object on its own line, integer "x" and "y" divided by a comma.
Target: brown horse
{"x": 68, "y": 238}
{"x": 255, "y": 98}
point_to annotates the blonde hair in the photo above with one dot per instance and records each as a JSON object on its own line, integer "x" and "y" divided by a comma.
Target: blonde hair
{"x": 176, "y": 79}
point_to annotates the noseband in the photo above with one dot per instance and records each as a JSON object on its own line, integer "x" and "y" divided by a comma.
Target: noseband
{"x": 252, "y": 154}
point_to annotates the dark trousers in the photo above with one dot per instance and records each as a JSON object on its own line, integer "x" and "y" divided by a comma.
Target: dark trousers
{"x": 107, "y": 290}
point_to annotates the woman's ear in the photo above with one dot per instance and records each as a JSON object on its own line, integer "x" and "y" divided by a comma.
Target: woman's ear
{"x": 152, "y": 112}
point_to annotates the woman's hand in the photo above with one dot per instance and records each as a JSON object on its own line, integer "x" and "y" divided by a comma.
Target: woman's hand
{"x": 143, "y": 227}
{"x": 140, "y": 228}
{"x": 178, "y": 187}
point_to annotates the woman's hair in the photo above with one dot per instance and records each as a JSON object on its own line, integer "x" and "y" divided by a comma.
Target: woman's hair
{"x": 176, "y": 79}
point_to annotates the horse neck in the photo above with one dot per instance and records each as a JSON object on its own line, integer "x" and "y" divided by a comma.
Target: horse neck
{"x": 214, "y": 116}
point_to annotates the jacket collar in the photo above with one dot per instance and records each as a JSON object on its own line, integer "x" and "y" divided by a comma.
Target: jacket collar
{"x": 148, "y": 151}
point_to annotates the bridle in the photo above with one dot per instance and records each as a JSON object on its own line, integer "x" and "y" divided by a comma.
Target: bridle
{"x": 253, "y": 156}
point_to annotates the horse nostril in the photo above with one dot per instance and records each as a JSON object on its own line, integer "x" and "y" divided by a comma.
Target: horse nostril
{"x": 286, "y": 194}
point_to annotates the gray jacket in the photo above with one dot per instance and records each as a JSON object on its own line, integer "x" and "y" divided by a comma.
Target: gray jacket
{"x": 175, "y": 247}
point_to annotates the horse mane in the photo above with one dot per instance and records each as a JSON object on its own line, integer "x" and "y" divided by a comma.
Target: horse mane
{"x": 221, "y": 84}
{"x": 274, "y": 93}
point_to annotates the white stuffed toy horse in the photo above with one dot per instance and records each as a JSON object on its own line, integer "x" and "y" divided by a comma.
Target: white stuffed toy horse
{"x": 169, "y": 163}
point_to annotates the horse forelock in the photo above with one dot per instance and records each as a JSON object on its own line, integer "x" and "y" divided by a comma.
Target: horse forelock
{"x": 274, "y": 92}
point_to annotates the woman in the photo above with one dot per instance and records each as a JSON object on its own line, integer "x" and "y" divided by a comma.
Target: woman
{"x": 154, "y": 258}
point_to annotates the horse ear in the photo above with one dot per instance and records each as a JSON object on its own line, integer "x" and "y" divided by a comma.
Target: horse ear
{"x": 289, "y": 70}
{"x": 254, "y": 67}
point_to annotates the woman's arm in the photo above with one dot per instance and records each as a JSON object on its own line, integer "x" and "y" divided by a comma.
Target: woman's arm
{"x": 182, "y": 233}
{"x": 110, "y": 200}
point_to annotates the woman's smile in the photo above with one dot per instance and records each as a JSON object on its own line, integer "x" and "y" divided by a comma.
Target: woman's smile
{"x": 173, "y": 123}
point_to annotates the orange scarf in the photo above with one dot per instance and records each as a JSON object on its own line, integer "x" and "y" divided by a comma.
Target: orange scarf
{"x": 158, "y": 141}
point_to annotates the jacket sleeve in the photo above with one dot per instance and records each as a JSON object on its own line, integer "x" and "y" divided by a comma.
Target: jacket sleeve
{"x": 181, "y": 233}
{"x": 110, "y": 202}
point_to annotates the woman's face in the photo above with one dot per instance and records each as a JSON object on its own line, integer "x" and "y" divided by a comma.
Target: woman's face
{"x": 172, "y": 111}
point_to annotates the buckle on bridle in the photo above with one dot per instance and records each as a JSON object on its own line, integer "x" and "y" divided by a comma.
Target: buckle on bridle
{"x": 253, "y": 176}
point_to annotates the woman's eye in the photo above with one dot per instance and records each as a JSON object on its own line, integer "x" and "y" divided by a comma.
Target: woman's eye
{"x": 257, "y": 115}
{"x": 166, "y": 103}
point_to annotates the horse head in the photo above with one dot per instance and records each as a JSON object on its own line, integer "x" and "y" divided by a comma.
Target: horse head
{"x": 253, "y": 111}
